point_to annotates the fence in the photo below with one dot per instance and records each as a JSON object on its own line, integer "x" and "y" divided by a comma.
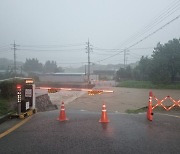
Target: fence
{"x": 159, "y": 103}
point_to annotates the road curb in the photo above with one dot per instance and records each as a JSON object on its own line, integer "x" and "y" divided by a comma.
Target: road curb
{"x": 14, "y": 127}
{"x": 4, "y": 118}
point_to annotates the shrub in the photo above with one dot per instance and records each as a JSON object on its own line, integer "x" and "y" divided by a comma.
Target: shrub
{"x": 8, "y": 88}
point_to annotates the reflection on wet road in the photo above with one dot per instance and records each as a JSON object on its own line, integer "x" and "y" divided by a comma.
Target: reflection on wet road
{"x": 84, "y": 134}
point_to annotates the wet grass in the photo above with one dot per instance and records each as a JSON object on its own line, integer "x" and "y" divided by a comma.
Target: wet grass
{"x": 4, "y": 106}
{"x": 141, "y": 110}
{"x": 157, "y": 109}
{"x": 147, "y": 85}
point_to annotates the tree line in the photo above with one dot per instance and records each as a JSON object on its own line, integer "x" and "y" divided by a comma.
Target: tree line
{"x": 33, "y": 65}
{"x": 30, "y": 67}
{"x": 162, "y": 67}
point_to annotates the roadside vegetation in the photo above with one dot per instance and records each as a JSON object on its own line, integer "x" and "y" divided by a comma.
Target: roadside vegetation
{"x": 141, "y": 110}
{"x": 8, "y": 95}
{"x": 148, "y": 85}
{"x": 4, "y": 106}
{"x": 156, "y": 110}
{"x": 161, "y": 70}
{"x": 30, "y": 68}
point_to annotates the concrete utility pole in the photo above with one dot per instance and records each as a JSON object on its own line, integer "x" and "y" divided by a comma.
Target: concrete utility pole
{"x": 125, "y": 58}
{"x": 14, "y": 48}
{"x": 85, "y": 69}
{"x": 88, "y": 51}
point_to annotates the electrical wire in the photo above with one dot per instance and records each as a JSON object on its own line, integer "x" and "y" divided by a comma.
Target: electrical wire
{"x": 40, "y": 50}
{"x": 142, "y": 39}
{"x": 53, "y": 46}
{"x": 74, "y": 63}
{"x": 177, "y": 17}
{"x": 109, "y": 57}
{"x": 116, "y": 50}
{"x": 5, "y": 51}
{"x": 102, "y": 54}
{"x": 144, "y": 32}
{"x": 154, "y": 23}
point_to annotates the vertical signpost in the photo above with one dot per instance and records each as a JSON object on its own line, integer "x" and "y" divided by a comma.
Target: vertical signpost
{"x": 26, "y": 98}
{"x": 19, "y": 97}
{"x": 29, "y": 93}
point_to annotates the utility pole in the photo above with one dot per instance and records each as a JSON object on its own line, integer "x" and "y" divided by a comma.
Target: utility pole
{"x": 85, "y": 69}
{"x": 21, "y": 70}
{"x": 125, "y": 58}
{"x": 14, "y": 48}
{"x": 88, "y": 51}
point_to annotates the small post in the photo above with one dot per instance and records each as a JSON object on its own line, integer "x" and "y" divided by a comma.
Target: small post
{"x": 149, "y": 110}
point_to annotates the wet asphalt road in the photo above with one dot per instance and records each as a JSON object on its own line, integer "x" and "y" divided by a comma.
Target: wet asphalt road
{"x": 84, "y": 134}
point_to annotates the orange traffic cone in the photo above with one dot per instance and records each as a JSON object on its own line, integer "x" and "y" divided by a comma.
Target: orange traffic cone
{"x": 62, "y": 115}
{"x": 104, "y": 117}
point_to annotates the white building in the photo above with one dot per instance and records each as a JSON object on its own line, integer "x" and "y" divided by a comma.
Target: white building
{"x": 63, "y": 77}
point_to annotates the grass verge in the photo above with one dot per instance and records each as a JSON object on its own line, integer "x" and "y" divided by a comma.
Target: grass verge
{"x": 144, "y": 109}
{"x": 157, "y": 109}
{"x": 4, "y": 106}
{"x": 147, "y": 85}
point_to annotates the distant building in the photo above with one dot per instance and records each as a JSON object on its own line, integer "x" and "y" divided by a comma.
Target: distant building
{"x": 63, "y": 77}
{"x": 105, "y": 74}
{"x": 2, "y": 72}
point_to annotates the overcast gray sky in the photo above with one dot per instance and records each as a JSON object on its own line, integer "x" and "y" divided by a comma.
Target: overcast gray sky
{"x": 58, "y": 29}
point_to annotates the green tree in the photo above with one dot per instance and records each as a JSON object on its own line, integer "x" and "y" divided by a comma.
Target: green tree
{"x": 50, "y": 67}
{"x": 124, "y": 73}
{"x": 142, "y": 71}
{"x": 32, "y": 65}
{"x": 60, "y": 69}
{"x": 166, "y": 62}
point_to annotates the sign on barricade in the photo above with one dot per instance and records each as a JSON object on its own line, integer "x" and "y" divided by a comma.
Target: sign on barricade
{"x": 94, "y": 92}
{"x": 53, "y": 90}
{"x": 159, "y": 103}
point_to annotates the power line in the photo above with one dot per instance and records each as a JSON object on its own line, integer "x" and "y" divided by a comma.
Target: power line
{"x": 97, "y": 48}
{"x": 110, "y": 56}
{"x": 143, "y": 38}
{"x": 149, "y": 28}
{"x": 169, "y": 11}
{"x": 155, "y": 31}
{"x": 102, "y": 54}
{"x": 117, "y": 50}
{"x": 40, "y": 50}
{"x": 53, "y": 46}
{"x": 5, "y": 51}
{"x": 142, "y": 48}
{"x": 135, "y": 54}
{"x": 74, "y": 63}
{"x": 125, "y": 57}
{"x": 5, "y": 46}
